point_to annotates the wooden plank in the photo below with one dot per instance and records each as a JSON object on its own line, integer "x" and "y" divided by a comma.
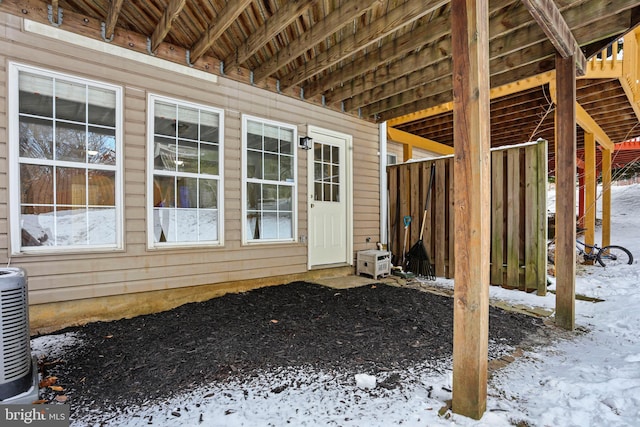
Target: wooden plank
{"x": 428, "y": 239}
{"x": 394, "y": 221}
{"x": 166, "y": 21}
{"x": 470, "y": 52}
{"x": 440, "y": 212}
{"x": 217, "y": 27}
{"x": 452, "y": 234}
{"x": 589, "y": 188}
{"x": 512, "y": 234}
{"x": 338, "y": 18}
{"x": 403, "y": 185}
{"x": 565, "y": 255}
{"x": 542, "y": 165}
{"x": 606, "y": 198}
{"x": 417, "y": 203}
{"x": 112, "y": 18}
{"x": 497, "y": 217}
{"x": 530, "y": 218}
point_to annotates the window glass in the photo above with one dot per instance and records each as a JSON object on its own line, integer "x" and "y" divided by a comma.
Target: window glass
{"x": 186, "y": 162}
{"x": 68, "y": 155}
{"x": 269, "y": 168}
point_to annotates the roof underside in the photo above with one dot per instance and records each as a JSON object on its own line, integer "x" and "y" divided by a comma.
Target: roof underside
{"x": 376, "y": 59}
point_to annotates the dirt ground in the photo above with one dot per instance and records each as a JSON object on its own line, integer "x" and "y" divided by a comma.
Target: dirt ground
{"x": 364, "y": 329}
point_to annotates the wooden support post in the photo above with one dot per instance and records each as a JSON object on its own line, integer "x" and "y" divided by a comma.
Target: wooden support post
{"x": 565, "y": 255}
{"x": 589, "y": 188}
{"x": 407, "y": 152}
{"x": 606, "y": 198}
{"x": 472, "y": 169}
{"x": 581, "y": 198}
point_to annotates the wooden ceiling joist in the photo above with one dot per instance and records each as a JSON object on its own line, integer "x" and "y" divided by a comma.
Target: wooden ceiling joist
{"x": 340, "y": 17}
{"x": 216, "y": 28}
{"x": 112, "y": 18}
{"x": 164, "y": 26}
{"x": 406, "y": 13}
{"x": 277, "y": 23}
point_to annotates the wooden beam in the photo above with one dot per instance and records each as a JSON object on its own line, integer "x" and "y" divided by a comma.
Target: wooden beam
{"x": 606, "y": 198}
{"x": 565, "y": 256}
{"x": 549, "y": 18}
{"x": 335, "y": 20}
{"x": 588, "y": 124}
{"x": 166, "y": 21}
{"x": 472, "y": 164}
{"x": 398, "y": 17}
{"x": 589, "y": 188}
{"x": 417, "y": 141}
{"x": 273, "y": 26}
{"x": 112, "y": 18}
{"x": 217, "y": 27}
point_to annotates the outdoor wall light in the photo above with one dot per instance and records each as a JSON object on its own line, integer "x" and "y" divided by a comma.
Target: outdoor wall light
{"x": 305, "y": 142}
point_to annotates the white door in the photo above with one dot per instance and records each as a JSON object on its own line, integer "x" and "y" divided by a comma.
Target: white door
{"x": 329, "y": 201}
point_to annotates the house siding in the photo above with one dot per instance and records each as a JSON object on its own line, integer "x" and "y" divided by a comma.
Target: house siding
{"x": 97, "y": 274}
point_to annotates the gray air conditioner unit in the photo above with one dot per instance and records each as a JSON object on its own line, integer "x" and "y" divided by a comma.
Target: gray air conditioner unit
{"x": 18, "y": 370}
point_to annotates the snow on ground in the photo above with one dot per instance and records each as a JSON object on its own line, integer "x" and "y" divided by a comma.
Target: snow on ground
{"x": 589, "y": 378}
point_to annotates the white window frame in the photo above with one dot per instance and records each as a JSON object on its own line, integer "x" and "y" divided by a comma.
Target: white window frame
{"x": 151, "y": 243}
{"x": 16, "y": 247}
{"x": 294, "y": 187}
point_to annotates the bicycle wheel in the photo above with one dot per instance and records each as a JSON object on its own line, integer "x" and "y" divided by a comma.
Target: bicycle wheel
{"x": 614, "y": 255}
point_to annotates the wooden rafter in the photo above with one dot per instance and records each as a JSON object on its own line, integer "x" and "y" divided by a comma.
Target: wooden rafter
{"x": 162, "y": 29}
{"x": 337, "y": 19}
{"x": 112, "y": 18}
{"x": 283, "y": 17}
{"x": 217, "y": 27}
{"x": 548, "y": 16}
{"x": 405, "y": 14}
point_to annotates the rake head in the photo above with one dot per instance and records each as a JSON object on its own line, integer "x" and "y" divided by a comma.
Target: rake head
{"x": 418, "y": 261}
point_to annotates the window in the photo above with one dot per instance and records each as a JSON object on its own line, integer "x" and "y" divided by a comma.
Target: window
{"x": 392, "y": 159}
{"x": 185, "y": 193}
{"x": 66, "y": 151}
{"x": 269, "y": 169}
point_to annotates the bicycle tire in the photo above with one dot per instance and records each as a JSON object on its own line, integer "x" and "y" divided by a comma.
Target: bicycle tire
{"x": 614, "y": 255}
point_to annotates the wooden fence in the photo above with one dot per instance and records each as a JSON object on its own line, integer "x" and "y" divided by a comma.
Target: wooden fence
{"x": 518, "y": 214}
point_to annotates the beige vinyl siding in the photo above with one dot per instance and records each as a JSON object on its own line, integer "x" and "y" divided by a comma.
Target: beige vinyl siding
{"x": 88, "y": 274}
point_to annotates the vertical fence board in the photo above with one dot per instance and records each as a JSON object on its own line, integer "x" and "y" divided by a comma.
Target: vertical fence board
{"x": 417, "y": 204}
{"x": 513, "y": 219}
{"x": 541, "y": 180}
{"x": 440, "y": 211}
{"x": 452, "y": 241}
{"x": 428, "y": 228}
{"x": 531, "y": 219}
{"x": 497, "y": 218}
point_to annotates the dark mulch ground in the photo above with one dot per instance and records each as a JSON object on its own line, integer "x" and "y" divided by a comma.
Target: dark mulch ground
{"x": 367, "y": 329}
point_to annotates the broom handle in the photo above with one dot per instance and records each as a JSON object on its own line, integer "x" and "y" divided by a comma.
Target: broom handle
{"x": 426, "y": 205}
